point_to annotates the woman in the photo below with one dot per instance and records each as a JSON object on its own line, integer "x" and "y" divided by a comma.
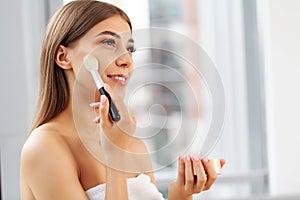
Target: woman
{"x": 54, "y": 162}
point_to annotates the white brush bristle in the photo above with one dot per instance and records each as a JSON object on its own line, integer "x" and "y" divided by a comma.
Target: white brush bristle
{"x": 90, "y": 62}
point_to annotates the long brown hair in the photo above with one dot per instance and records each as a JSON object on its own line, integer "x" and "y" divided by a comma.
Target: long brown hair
{"x": 67, "y": 25}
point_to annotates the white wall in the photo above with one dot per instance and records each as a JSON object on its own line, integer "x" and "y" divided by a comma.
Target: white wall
{"x": 22, "y": 27}
{"x": 282, "y": 36}
{"x": 14, "y": 101}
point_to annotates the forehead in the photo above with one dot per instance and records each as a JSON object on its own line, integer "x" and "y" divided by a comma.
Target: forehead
{"x": 114, "y": 24}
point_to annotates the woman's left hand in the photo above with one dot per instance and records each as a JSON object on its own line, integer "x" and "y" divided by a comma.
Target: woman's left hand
{"x": 194, "y": 176}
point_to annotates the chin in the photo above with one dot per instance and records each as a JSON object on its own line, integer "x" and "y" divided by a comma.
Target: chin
{"x": 119, "y": 91}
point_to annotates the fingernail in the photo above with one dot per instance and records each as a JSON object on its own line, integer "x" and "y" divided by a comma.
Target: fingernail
{"x": 93, "y": 104}
{"x": 188, "y": 157}
{"x": 195, "y": 158}
{"x": 96, "y": 120}
{"x": 103, "y": 99}
{"x": 205, "y": 159}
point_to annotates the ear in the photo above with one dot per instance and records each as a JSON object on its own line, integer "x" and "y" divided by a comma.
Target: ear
{"x": 61, "y": 57}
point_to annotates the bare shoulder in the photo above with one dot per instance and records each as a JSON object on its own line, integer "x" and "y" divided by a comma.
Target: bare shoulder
{"x": 45, "y": 150}
{"x": 45, "y": 145}
{"x": 47, "y": 165}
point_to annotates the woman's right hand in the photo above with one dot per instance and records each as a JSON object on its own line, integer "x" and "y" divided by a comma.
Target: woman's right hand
{"x": 113, "y": 133}
{"x": 115, "y": 137}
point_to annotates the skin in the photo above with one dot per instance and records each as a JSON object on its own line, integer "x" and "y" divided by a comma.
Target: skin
{"x": 54, "y": 162}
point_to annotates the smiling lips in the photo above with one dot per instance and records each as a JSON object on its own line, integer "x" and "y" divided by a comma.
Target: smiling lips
{"x": 119, "y": 78}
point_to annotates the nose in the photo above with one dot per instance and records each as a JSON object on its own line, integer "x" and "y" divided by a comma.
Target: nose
{"x": 124, "y": 60}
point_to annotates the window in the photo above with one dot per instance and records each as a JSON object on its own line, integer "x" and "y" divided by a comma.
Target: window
{"x": 228, "y": 30}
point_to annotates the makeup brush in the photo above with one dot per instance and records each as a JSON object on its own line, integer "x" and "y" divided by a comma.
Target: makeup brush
{"x": 91, "y": 64}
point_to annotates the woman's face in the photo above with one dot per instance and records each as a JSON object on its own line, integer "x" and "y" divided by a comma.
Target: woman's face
{"x": 110, "y": 41}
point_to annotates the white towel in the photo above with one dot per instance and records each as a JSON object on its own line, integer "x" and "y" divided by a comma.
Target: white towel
{"x": 138, "y": 188}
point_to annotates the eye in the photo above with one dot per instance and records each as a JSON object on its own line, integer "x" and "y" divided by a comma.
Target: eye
{"x": 131, "y": 49}
{"x": 109, "y": 42}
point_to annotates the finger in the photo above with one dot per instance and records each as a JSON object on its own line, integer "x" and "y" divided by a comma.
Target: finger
{"x": 181, "y": 171}
{"x": 189, "y": 174}
{"x": 103, "y": 109}
{"x": 199, "y": 174}
{"x": 210, "y": 172}
{"x": 97, "y": 120}
{"x": 95, "y": 105}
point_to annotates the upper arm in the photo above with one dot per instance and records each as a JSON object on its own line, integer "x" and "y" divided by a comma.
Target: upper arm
{"x": 49, "y": 170}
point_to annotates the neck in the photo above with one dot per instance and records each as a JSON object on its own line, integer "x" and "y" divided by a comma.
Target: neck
{"x": 78, "y": 114}
{"x": 64, "y": 120}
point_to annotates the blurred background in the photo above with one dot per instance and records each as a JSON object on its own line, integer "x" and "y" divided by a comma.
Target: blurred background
{"x": 255, "y": 47}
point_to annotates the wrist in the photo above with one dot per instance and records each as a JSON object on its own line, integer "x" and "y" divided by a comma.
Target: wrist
{"x": 121, "y": 160}
{"x": 175, "y": 193}
{"x": 179, "y": 197}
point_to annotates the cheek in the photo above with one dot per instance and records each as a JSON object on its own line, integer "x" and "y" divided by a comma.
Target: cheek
{"x": 82, "y": 75}
{"x": 77, "y": 55}
{"x": 104, "y": 72}
{"x": 77, "y": 63}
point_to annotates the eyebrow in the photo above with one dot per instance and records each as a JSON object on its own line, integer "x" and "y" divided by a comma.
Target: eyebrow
{"x": 112, "y": 34}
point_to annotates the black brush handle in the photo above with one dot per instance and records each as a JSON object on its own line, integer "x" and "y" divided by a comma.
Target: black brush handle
{"x": 114, "y": 113}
